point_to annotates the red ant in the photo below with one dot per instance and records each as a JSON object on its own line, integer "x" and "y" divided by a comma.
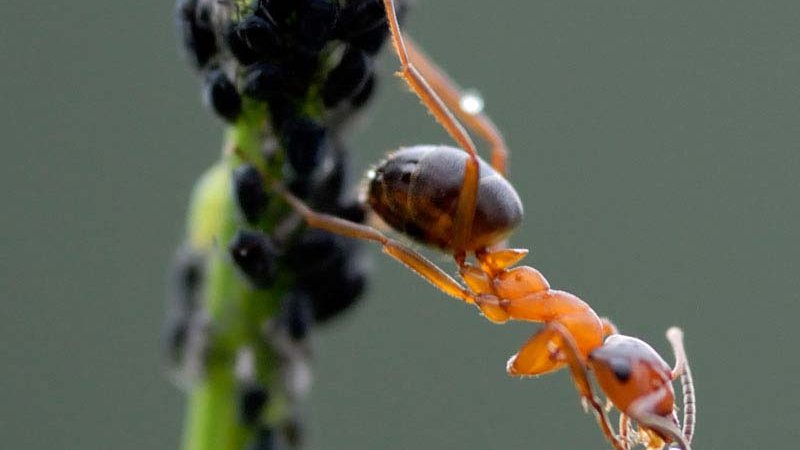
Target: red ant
{"x": 449, "y": 198}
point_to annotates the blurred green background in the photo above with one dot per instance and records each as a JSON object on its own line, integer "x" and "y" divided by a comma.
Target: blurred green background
{"x": 655, "y": 146}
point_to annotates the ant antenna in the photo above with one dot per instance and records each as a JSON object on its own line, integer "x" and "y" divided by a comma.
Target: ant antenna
{"x": 675, "y": 337}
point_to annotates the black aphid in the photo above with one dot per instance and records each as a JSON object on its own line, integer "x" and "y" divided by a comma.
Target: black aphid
{"x": 366, "y": 92}
{"x": 348, "y": 77}
{"x": 316, "y": 21}
{"x": 254, "y": 254}
{"x": 265, "y": 81}
{"x": 254, "y": 39}
{"x": 252, "y": 399}
{"x": 264, "y": 439}
{"x": 306, "y": 143}
{"x": 221, "y": 95}
{"x": 196, "y": 31}
{"x": 297, "y": 314}
{"x": 251, "y": 196}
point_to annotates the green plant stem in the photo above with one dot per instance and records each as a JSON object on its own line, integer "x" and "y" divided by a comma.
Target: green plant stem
{"x": 236, "y": 312}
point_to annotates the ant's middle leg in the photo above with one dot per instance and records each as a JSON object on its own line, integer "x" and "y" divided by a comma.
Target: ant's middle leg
{"x": 410, "y": 258}
{"x": 468, "y": 196}
{"x": 541, "y": 354}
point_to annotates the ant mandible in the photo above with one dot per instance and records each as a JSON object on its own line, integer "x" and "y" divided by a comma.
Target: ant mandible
{"x": 449, "y": 198}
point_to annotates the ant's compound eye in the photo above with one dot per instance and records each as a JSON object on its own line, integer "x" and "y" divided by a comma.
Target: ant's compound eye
{"x": 198, "y": 36}
{"x": 621, "y": 369}
{"x": 252, "y": 399}
{"x": 254, "y": 254}
{"x": 347, "y": 78}
{"x": 248, "y": 187}
{"x": 264, "y": 81}
{"x": 316, "y": 22}
{"x": 306, "y": 143}
{"x": 221, "y": 95}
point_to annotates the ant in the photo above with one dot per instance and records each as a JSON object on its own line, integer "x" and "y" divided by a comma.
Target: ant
{"x": 449, "y": 198}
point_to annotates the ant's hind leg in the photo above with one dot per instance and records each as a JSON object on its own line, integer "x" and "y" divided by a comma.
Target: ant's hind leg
{"x": 468, "y": 196}
{"x": 412, "y": 259}
{"x": 452, "y": 96}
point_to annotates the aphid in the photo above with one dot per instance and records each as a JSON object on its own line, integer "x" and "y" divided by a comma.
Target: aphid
{"x": 264, "y": 439}
{"x": 277, "y": 11}
{"x": 347, "y": 78}
{"x": 306, "y": 143}
{"x": 297, "y": 314}
{"x": 363, "y": 24}
{"x": 252, "y": 399}
{"x": 221, "y": 95}
{"x": 449, "y": 198}
{"x": 316, "y": 22}
{"x": 194, "y": 24}
{"x": 254, "y": 39}
{"x": 254, "y": 254}
{"x": 361, "y": 16}
{"x": 186, "y": 279}
{"x": 175, "y": 336}
{"x": 365, "y": 94}
{"x": 339, "y": 290}
{"x": 328, "y": 271}
{"x": 248, "y": 188}
{"x": 185, "y": 285}
{"x": 265, "y": 81}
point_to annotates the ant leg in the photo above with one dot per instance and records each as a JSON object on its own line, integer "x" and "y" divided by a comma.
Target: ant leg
{"x": 452, "y": 96}
{"x": 580, "y": 375}
{"x": 682, "y": 370}
{"x": 642, "y": 409}
{"x": 540, "y": 355}
{"x": 624, "y": 429}
{"x": 411, "y": 259}
{"x": 468, "y": 197}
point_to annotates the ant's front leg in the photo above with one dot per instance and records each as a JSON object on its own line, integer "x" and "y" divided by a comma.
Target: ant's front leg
{"x": 642, "y": 411}
{"x": 561, "y": 339}
{"x": 410, "y": 258}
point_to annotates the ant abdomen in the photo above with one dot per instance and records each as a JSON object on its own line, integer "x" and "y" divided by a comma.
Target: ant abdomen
{"x": 415, "y": 190}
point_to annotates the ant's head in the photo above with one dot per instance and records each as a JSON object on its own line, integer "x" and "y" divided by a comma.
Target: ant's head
{"x": 628, "y": 369}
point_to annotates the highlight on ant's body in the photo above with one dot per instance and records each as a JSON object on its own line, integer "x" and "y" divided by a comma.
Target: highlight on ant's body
{"x": 449, "y": 198}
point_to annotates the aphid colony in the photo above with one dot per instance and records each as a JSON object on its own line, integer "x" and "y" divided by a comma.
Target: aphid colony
{"x": 296, "y": 72}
